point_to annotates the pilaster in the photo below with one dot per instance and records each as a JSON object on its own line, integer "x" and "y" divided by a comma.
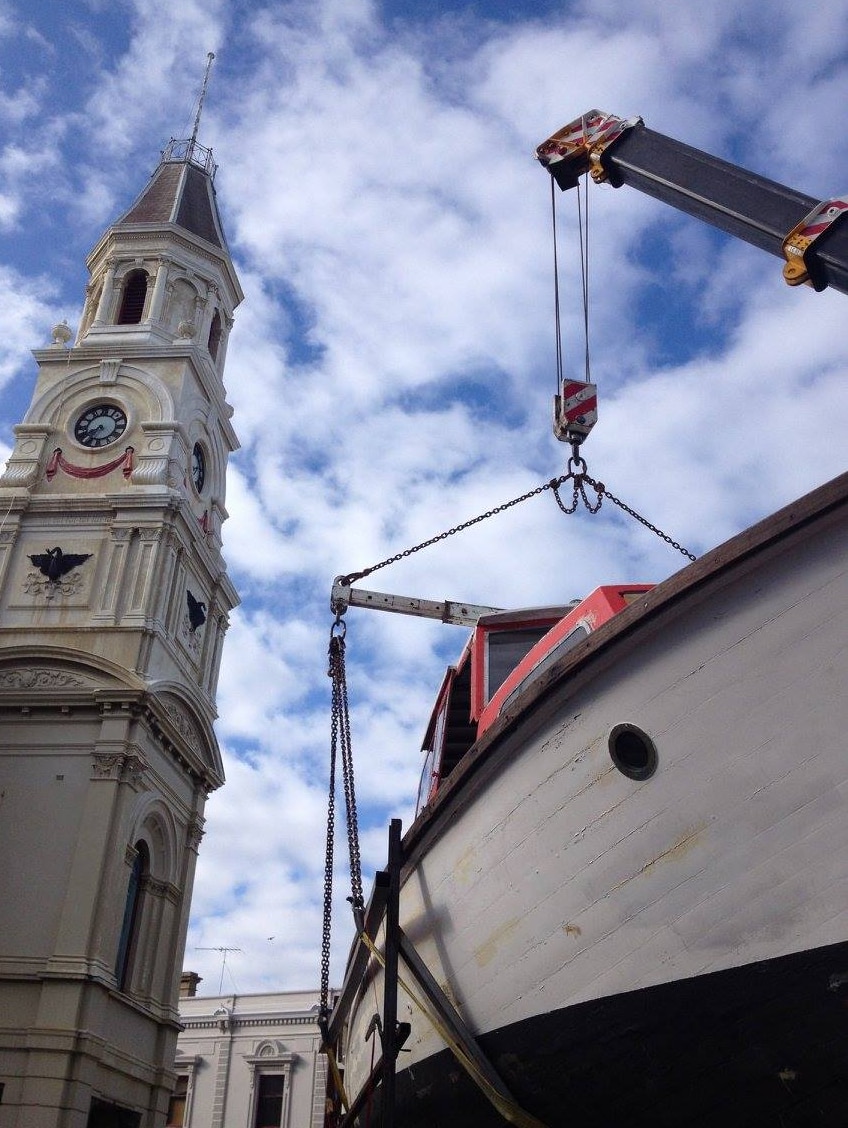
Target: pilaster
{"x": 86, "y": 942}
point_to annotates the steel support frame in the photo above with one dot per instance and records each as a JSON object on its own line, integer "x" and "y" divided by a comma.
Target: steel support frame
{"x": 386, "y": 898}
{"x": 390, "y": 979}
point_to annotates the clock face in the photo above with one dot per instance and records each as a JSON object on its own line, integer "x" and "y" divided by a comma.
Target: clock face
{"x": 198, "y": 467}
{"x": 100, "y": 425}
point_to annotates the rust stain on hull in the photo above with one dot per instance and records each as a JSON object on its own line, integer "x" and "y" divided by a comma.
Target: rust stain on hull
{"x": 677, "y": 850}
{"x": 466, "y": 866}
{"x": 486, "y": 952}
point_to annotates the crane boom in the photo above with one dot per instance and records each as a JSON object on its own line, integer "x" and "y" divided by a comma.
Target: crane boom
{"x": 751, "y": 207}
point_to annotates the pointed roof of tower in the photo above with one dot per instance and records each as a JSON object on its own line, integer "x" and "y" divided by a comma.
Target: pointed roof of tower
{"x": 182, "y": 192}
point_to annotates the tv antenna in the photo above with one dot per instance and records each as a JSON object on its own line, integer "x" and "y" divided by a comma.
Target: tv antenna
{"x": 223, "y": 952}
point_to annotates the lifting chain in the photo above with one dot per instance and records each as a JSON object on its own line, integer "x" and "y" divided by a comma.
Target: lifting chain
{"x": 340, "y": 723}
{"x": 339, "y": 742}
{"x": 579, "y": 478}
{"x": 577, "y": 473}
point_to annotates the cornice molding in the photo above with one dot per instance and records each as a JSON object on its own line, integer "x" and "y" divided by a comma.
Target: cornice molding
{"x": 250, "y": 1022}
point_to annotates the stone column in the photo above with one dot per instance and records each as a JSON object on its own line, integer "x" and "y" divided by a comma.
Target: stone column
{"x": 157, "y": 298}
{"x": 105, "y": 295}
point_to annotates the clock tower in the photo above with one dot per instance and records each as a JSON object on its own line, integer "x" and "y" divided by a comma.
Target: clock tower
{"x": 114, "y": 602}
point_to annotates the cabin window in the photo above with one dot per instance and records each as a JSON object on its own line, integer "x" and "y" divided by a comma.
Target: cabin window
{"x": 633, "y": 752}
{"x": 429, "y": 782}
{"x": 132, "y": 916}
{"x": 132, "y": 299}
{"x": 214, "y": 335}
{"x": 580, "y": 632}
{"x": 459, "y": 733}
{"x": 450, "y": 734}
{"x": 269, "y": 1100}
{"x": 504, "y": 651}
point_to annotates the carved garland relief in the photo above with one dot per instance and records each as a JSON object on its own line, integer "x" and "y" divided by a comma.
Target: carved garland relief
{"x": 184, "y": 724}
{"x": 36, "y": 677}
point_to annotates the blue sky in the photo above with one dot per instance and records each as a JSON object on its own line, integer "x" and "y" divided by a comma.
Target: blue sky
{"x": 392, "y": 365}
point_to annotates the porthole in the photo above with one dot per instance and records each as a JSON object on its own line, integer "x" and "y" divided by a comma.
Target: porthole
{"x": 633, "y": 752}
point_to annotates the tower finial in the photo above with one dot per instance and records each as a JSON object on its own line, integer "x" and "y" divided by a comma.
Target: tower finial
{"x": 200, "y": 100}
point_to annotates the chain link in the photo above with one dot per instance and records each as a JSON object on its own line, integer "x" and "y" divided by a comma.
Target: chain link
{"x": 579, "y": 478}
{"x": 339, "y": 741}
{"x": 604, "y": 492}
{"x": 554, "y": 482}
{"x": 324, "y": 1000}
{"x": 577, "y": 474}
{"x": 340, "y": 686}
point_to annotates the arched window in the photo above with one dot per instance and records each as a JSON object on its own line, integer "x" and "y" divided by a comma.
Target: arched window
{"x": 271, "y": 1066}
{"x": 132, "y": 916}
{"x": 132, "y": 300}
{"x": 214, "y": 335}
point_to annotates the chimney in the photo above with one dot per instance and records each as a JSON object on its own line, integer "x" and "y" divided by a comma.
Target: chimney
{"x": 188, "y": 984}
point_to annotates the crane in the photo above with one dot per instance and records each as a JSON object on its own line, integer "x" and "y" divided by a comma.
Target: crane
{"x": 808, "y": 234}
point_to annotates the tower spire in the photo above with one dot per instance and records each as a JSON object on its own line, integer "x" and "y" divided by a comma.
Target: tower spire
{"x": 209, "y": 58}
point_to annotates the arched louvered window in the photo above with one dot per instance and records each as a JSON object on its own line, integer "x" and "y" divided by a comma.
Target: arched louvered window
{"x": 215, "y": 335}
{"x": 132, "y": 299}
{"x": 132, "y": 916}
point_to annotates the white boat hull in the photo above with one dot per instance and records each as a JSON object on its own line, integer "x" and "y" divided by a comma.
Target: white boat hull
{"x": 663, "y": 951}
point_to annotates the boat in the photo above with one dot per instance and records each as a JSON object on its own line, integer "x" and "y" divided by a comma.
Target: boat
{"x": 624, "y": 897}
{"x": 633, "y": 886}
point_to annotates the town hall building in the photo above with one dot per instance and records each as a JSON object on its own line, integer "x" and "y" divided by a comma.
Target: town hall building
{"x": 114, "y": 602}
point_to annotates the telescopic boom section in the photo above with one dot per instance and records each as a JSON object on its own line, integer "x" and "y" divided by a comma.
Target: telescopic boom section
{"x": 811, "y": 236}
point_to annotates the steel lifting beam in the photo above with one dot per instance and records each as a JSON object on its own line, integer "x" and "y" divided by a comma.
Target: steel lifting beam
{"x": 748, "y": 206}
{"x": 446, "y": 611}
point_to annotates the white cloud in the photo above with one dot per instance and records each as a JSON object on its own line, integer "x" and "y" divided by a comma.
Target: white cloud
{"x": 152, "y": 81}
{"x": 29, "y": 313}
{"x": 20, "y": 105}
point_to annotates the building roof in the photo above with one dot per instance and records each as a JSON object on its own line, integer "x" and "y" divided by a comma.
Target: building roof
{"x": 181, "y": 191}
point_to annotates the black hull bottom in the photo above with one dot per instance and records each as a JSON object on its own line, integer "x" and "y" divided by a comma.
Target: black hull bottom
{"x": 765, "y": 1044}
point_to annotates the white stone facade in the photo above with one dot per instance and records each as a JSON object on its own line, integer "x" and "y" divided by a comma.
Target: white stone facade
{"x": 250, "y": 1061}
